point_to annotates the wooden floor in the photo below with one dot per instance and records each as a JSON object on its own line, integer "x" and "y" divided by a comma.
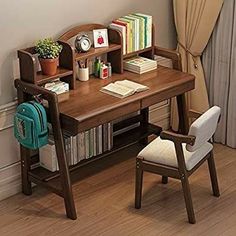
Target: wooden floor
{"x": 105, "y": 205}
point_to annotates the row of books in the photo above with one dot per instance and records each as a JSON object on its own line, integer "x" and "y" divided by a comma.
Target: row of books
{"x": 139, "y": 64}
{"x": 83, "y": 146}
{"x": 136, "y": 30}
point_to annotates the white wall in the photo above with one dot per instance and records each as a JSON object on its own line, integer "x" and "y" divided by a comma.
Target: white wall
{"x": 23, "y": 22}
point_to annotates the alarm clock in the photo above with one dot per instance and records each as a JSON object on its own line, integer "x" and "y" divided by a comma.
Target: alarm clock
{"x": 82, "y": 43}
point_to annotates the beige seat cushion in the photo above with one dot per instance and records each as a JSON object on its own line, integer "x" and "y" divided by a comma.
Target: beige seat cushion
{"x": 163, "y": 152}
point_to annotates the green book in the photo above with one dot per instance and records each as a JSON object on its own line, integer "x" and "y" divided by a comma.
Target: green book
{"x": 148, "y": 28}
{"x": 141, "y": 31}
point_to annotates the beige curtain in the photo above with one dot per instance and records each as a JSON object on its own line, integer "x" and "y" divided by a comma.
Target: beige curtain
{"x": 194, "y": 20}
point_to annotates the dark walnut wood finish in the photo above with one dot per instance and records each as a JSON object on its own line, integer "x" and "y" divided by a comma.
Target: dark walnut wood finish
{"x": 96, "y": 107}
{"x": 85, "y": 106}
{"x": 178, "y": 173}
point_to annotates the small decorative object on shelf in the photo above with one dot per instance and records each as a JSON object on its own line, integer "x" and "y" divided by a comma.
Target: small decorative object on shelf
{"x": 83, "y": 70}
{"x": 82, "y": 43}
{"x": 48, "y": 51}
{"x": 100, "y": 37}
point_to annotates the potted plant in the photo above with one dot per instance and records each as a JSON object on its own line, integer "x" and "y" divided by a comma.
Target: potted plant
{"x": 48, "y": 51}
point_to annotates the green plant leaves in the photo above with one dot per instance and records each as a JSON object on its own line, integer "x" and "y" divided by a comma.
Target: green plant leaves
{"x": 48, "y": 49}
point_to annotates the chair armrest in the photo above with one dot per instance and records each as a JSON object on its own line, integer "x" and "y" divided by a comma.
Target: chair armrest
{"x": 177, "y": 138}
{"x": 170, "y": 54}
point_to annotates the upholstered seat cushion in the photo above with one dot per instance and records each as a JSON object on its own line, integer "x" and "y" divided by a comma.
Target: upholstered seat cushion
{"x": 163, "y": 152}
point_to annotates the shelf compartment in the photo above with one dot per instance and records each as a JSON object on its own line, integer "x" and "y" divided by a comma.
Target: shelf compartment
{"x": 120, "y": 141}
{"x": 61, "y": 72}
{"x": 135, "y": 53}
{"x": 93, "y": 52}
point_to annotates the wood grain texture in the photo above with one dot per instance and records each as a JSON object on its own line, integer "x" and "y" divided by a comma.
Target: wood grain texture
{"x": 86, "y": 103}
{"x": 105, "y": 204}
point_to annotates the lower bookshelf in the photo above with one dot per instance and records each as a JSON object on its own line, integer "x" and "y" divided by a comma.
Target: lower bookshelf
{"x": 120, "y": 141}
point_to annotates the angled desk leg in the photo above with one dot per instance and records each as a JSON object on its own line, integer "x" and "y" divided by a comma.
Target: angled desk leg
{"x": 62, "y": 162}
{"x": 182, "y": 111}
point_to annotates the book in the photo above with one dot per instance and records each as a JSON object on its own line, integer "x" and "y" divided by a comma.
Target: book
{"x": 130, "y": 30}
{"x": 148, "y": 28}
{"x": 125, "y": 24}
{"x": 91, "y": 143}
{"x": 139, "y": 64}
{"x": 57, "y": 86}
{"x": 105, "y": 137}
{"x": 99, "y": 139}
{"x": 86, "y": 138}
{"x": 135, "y": 25}
{"x": 141, "y": 31}
{"x": 123, "y": 88}
{"x": 123, "y": 30}
{"x": 81, "y": 147}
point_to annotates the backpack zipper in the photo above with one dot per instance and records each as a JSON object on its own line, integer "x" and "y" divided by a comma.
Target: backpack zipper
{"x": 40, "y": 115}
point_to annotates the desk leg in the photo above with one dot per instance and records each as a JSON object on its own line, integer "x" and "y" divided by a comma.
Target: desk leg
{"x": 143, "y": 123}
{"x": 62, "y": 162}
{"x": 182, "y": 111}
{"x": 65, "y": 180}
{"x": 25, "y": 168}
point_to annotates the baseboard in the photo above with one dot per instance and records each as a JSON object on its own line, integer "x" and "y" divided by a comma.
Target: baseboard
{"x": 10, "y": 183}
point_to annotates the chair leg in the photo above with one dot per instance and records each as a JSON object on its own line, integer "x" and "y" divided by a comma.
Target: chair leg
{"x": 164, "y": 179}
{"x": 138, "y": 185}
{"x": 188, "y": 199}
{"x": 213, "y": 175}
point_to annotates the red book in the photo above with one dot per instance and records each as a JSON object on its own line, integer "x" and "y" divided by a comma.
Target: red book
{"x": 118, "y": 22}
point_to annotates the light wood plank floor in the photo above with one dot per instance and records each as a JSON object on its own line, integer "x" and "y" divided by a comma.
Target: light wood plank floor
{"x": 105, "y": 205}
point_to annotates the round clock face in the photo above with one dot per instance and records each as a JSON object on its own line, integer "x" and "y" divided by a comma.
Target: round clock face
{"x": 82, "y": 43}
{"x": 85, "y": 44}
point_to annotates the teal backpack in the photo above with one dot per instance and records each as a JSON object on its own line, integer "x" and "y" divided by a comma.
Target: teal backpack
{"x": 30, "y": 125}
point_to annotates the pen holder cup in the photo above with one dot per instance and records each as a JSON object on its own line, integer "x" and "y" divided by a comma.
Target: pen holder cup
{"x": 83, "y": 74}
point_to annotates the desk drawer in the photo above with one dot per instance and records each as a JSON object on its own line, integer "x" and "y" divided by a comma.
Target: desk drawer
{"x": 167, "y": 94}
{"x": 108, "y": 116}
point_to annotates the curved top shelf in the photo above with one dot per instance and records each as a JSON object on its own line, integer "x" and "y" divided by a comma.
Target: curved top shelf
{"x": 77, "y": 29}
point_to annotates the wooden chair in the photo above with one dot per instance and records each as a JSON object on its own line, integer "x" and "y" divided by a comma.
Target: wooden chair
{"x": 178, "y": 156}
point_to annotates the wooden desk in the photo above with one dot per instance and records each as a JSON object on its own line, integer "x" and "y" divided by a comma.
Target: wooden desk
{"x": 87, "y": 107}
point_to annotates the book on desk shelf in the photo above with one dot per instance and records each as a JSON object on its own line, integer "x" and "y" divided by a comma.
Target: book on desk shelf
{"x": 136, "y": 30}
{"x": 139, "y": 64}
{"x": 123, "y": 88}
{"x": 57, "y": 86}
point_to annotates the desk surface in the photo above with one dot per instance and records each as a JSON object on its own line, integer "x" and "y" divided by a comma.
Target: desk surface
{"x": 87, "y": 107}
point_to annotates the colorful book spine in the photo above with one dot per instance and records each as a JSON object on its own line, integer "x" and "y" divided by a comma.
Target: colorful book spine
{"x": 141, "y": 31}
{"x": 127, "y": 46}
{"x": 123, "y": 30}
{"x": 130, "y": 29}
{"x": 148, "y": 29}
{"x": 136, "y": 31}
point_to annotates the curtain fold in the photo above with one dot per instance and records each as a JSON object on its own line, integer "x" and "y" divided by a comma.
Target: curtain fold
{"x": 219, "y": 61}
{"x": 194, "y": 20}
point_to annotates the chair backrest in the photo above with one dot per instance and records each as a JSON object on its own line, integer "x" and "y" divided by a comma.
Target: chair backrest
{"x": 204, "y": 127}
